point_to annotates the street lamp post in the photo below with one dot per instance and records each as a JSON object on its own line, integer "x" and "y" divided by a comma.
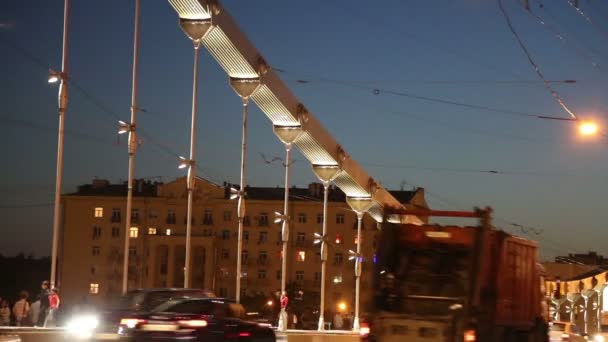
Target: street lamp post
{"x": 131, "y": 147}
{"x": 196, "y": 30}
{"x": 288, "y": 135}
{"x": 245, "y": 89}
{"x": 360, "y": 205}
{"x": 63, "y": 105}
{"x": 326, "y": 174}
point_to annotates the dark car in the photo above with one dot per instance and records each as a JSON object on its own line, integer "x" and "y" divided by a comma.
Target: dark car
{"x": 141, "y": 300}
{"x": 195, "y": 319}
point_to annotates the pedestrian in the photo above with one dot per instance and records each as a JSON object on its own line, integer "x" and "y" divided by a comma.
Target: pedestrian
{"x": 338, "y": 322}
{"x": 53, "y": 306}
{"x": 21, "y": 309}
{"x": 35, "y": 311}
{"x": 5, "y": 313}
{"x": 44, "y": 303}
{"x": 283, "y": 314}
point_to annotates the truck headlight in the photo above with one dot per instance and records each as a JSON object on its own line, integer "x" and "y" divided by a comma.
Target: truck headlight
{"x": 82, "y": 327}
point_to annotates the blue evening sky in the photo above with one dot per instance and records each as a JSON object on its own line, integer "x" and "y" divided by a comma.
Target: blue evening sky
{"x": 551, "y": 179}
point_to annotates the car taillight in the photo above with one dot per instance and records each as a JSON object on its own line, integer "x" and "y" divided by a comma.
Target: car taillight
{"x": 193, "y": 323}
{"x": 131, "y": 322}
{"x": 469, "y": 336}
{"x": 364, "y": 330}
{"x": 239, "y": 334}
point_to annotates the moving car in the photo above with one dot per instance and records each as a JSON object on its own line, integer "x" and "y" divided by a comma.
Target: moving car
{"x": 194, "y": 319}
{"x": 564, "y": 331}
{"x": 102, "y": 324}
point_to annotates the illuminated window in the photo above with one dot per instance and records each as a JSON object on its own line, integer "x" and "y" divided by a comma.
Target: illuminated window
{"x": 337, "y": 279}
{"x": 301, "y": 256}
{"x": 133, "y": 232}
{"x": 98, "y": 212}
{"x": 94, "y": 288}
{"x": 151, "y": 231}
{"x": 339, "y": 239}
{"x": 340, "y": 219}
{"x": 168, "y": 231}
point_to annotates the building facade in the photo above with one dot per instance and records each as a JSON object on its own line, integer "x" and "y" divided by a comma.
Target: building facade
{"x": 93, "y": 233}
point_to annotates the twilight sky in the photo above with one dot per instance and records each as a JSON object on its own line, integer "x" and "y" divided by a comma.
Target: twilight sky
{"x": 462, "y": 51}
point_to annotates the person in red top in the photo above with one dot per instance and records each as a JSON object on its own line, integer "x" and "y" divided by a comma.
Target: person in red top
{"x": 53, "y": 306}
{"x": 284, "y": 300}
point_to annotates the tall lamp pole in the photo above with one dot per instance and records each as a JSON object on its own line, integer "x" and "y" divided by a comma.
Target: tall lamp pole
{"x": 196, "y": 30}
{"x": 360, "y": 205}
{"x": 244, "y": 87}
{"x": 326, "y": 174}
{"x": 124, "y": 127}
{"x": 62, "y": 76}
{"x": 288, "y": 135}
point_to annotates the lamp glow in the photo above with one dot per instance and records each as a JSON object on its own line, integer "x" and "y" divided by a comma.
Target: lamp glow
{"x": 183, "y": 163}
{"x": 588, "y": 128}
{"x": 123, "y": 127}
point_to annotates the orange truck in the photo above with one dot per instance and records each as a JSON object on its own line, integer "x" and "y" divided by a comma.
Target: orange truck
{"x": 456, "y": 284}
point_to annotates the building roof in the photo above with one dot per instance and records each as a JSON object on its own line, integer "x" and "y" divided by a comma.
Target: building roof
{"x": 100, "y": 187}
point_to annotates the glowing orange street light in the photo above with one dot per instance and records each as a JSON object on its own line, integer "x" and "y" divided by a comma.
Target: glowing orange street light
{"x": 270, "y": 303}
{"x": 342, "y": 306}
{"x": 588, "y": 128}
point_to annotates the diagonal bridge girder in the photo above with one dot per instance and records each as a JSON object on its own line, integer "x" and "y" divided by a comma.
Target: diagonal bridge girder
{"x": 241, "y": 60}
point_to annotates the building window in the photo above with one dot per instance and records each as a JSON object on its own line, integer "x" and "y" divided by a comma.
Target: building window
{"x": 132, "y": 251}
{"x": 339, "y": 239}
{"x": 225, "y": 253}
{"x": 301, "y": 218}
{"x": 208, "y": 217}
{"x": 163, "y": 252}
{"x": 135, "y": 215}
{"x": 223, "y": 292}
{"x": 263, "y": 220}
{"x": 301, "y": 237}
{"x": 338, "y": 258}
{"x": 225, "y": 235}
{"x": 153, "y": 213}
{"x": 263, "y": 237}
{"x": 115, "y": 232}
{"x": 151, "y": 231}
{"x": 299, "y": 275}
{"x": 244, "y": 255}
{"x": 96, "y": 232}
{"x": 115, "y": 215}
{"x": 339, "y": 218}
{"x": 96, "y": 251}
{"x": 301, "y": 256}
{"x": 319, "y": 218}
{"x": 317, "y": 277}
{"x": 92, "y": 270}
{"x": 133, "y": 232}
{"x": 279, "y": 275}
{"x": 317, "y": 257}
{"x": 245, "y": 235}
{"x": 227, "y": 215}
{"x": 168, "y": 231}
{"x": 171, "y": 216}
{"x": 337, "y": 279}
{"x": 246, "y": 221}
{"x": 98, "y": 212}
{"x": 261, "y": 274}
{"x": 262, "y": 257}
{"x": 94, "y": 288}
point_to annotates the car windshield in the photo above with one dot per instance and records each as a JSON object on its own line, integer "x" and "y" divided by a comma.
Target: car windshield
{"x": 558, "y": 327}
{"x": 185, "y": 306}
{"x": 131, "y": 301}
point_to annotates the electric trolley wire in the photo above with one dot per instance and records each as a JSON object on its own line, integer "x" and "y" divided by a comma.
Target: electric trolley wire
{"x": 535, "y": 66}
{"x": 588, "y": 19}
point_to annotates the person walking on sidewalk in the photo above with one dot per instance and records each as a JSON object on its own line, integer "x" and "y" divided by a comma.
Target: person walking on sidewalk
{"x": 44, "y": 303}
{"x": 5, "y": 313}
{"x": 53, "y": 306}
{"x": 21, "y": 309}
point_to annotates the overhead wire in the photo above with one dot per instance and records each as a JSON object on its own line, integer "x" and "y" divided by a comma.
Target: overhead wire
{"x": 588, "y": 19}
{"x": 535, "y": 66}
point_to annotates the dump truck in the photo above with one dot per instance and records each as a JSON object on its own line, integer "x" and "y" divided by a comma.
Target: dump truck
{"x": 456, "y": 284}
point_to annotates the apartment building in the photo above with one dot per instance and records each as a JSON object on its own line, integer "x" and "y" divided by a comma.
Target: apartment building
{"x": 93, "y": 233}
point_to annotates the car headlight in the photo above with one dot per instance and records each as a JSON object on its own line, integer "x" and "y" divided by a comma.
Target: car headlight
{"x": 82, "y": 327}
{"x": 598, "y": 338}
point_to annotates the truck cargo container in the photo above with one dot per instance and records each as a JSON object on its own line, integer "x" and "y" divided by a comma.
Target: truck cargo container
{"x": 456, "y": 283}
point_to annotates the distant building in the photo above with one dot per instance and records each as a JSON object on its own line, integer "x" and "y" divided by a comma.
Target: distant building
{"x": 93, "y": 233}
{"x": 590, "y": 258}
